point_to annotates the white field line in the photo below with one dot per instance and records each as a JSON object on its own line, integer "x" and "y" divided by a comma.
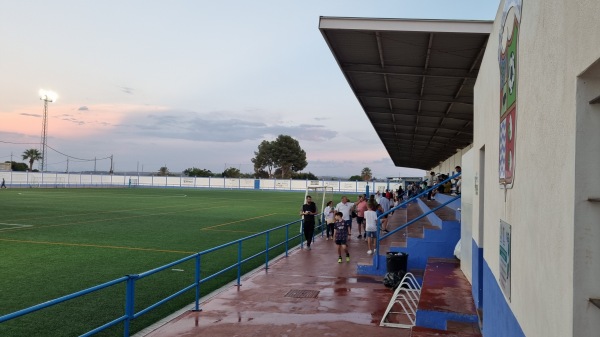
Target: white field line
{"x": 12, "y": 224}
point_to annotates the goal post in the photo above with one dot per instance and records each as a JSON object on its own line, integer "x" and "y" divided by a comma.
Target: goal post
{"x": 133, "y": 182}
{"x": 320, "y": 196}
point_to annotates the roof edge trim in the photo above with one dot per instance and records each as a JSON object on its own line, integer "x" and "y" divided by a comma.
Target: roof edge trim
{"x": 407, "y": 25}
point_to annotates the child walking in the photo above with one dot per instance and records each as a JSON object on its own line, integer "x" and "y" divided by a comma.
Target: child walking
{"x": 341, "y": 236}
{"x": 371, "y": 228}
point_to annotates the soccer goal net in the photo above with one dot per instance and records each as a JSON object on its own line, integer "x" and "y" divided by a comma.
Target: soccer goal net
{"x": 134, "y": 182}
{"x": 34, "y": 182}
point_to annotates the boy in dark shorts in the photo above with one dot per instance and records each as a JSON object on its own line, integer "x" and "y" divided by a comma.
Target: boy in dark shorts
{"x": 341, "y": 236}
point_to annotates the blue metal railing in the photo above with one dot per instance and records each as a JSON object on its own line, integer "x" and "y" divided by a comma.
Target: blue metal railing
{"x": 130, "y": 280}
{"x": 380, "y": 238}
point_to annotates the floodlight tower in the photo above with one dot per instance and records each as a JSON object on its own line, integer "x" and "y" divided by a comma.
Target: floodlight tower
{"x": 48, "y": 97}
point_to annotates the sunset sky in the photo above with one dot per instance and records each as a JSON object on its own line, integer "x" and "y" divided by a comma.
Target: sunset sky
{"x": 190, "y": 83}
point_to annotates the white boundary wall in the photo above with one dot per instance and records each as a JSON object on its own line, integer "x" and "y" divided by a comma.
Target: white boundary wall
{"x": 555, "y": 237}
{"x": 74, "y": 180}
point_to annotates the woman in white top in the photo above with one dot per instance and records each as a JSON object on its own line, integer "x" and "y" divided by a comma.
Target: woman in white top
{"x": 329, "y": 219}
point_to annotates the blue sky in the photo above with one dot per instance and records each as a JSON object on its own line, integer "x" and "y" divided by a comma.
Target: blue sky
{"x": 190, "y": 83}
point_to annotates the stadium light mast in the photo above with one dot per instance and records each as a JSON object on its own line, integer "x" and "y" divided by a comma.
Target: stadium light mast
{"x": 48, "y": 97}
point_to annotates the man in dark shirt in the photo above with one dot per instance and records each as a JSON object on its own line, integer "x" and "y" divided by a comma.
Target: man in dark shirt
{"x": 309, "y": 209}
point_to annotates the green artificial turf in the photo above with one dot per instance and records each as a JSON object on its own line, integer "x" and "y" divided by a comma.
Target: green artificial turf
{"x": 54, "y": 242}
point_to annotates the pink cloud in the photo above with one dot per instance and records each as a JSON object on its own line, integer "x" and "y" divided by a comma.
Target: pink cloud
{"x": 69, "y": 121}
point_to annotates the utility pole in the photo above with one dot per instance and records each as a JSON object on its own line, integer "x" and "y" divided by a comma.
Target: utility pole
{"x": 47, "y": 97}
{"x": 67, "y": 164}
{"x": 111, "y": 164}
{"x": 94, "y": 164}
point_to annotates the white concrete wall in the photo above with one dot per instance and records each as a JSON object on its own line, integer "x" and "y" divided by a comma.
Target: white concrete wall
{"x": 558, "y": 41}
{"x": 448, "y": 165}
{"x": 466, "y": 221}
{"x": 586, "y": 273}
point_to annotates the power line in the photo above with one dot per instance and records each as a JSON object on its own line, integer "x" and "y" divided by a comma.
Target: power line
{"x": 55, "y": 150}
{"x": 81, "y": 159}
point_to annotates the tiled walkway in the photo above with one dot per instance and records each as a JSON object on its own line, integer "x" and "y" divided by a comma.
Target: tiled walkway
{"x": 331, "y": 300}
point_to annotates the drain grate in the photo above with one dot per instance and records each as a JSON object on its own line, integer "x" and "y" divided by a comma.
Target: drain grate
{"x": 297, "y": 293}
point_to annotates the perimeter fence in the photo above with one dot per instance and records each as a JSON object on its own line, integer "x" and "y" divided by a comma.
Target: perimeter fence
{"x": 80, "y": 180}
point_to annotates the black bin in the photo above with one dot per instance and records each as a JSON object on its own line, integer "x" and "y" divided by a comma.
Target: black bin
{"x": 396, "y": 262}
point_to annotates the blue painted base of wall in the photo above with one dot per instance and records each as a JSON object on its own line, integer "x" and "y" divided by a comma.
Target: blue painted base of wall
{"x": 477, "y": 274}
{"x": 498, "y": 318}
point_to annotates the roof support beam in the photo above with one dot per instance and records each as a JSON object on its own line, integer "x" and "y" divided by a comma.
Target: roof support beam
{"x": 413, "y": 113}
{"x": 422, "y": 125}
{"x": 415, "y": 97}
{"x": 406, "y": 71}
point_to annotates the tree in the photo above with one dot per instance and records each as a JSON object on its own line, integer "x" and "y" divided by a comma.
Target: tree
{"x": 261, "y": 174}
{"x": 264, "y": 159}
{"x": 231, "y": 172}
{"x": 196, "y": 172}
{"x": 288, "y": 155}
{"x": 14, "y": 166}
{"x": 32, "y": 155}
{"x": 283, "y": 154}
{"x": 366, "y": 174}
{"x": 355, "y": 178}
{"x": 305, "y": 176}
{"x": 163, "y": 171}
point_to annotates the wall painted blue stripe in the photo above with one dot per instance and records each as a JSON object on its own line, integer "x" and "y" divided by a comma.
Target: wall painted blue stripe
{"x": 477, "y": 274}
{"x": 498, "y": 318}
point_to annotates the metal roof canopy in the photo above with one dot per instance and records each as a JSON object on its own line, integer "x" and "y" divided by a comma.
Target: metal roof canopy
{"x": 414, "y": 79}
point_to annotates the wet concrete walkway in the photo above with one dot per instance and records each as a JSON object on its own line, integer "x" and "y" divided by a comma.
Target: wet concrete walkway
{"x": 305, "y": 294}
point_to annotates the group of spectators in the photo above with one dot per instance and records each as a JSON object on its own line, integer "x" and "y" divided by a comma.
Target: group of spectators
{"x": 446, "y": 187}
{"x": 339, "y": 218}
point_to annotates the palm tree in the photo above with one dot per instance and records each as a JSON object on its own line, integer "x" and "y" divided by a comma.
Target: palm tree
{"x": 366, "y": 174}
{"x": 163, "y": 171}
{"x": 32, "y": 155}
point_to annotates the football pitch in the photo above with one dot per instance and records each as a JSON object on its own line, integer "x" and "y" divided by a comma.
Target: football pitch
{"x": 54, "y": 242}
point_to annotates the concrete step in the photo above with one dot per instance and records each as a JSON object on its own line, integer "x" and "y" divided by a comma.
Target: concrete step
{"x": 420, "y": 240}
{"x": 445, "y": 297}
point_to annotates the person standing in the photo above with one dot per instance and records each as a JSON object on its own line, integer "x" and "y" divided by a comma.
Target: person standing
{"x": 309, "y": 209}
{"x": 3, "y": 184}
{"x": 360, "y": 206}
{"x": 371, "y": 228}
{"x": 329, "y": 219}
{"x": 377, "y": 197}
{"x": 458, "y": 180}
{"x": 385, "y": 206}
{"x": 345, "y": 207}
{"x": 430, "y": 183}
{"x": 379, "y": 212}
{"x": 341, "y": 236}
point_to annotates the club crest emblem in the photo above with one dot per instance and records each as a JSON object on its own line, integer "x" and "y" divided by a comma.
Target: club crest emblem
{"x": 508, "y": 64}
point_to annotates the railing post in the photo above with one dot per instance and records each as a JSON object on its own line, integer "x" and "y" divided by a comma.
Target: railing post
{"x": 287, "y": 239}
{"x": 197, "y": 278}
{"x": 267, "y": 252}
{"x": 377, "y": 252}
{"x": 302, "y": 233}
{"x": 129, "y": 303}
{"x": 239, "y": 263}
